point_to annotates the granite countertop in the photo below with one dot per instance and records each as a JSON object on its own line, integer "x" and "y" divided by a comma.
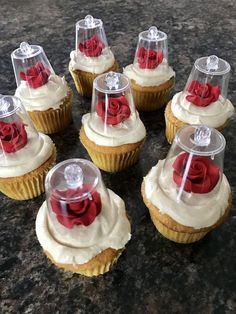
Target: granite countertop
{"x": 153, "y": 275}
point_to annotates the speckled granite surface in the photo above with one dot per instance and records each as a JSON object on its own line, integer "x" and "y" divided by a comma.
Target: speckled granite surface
{"x": 154, "y": 275}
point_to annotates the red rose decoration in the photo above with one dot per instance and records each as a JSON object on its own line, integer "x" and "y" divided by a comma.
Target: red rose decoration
{"x": 202, "y": 176}
{"x": 202, "y": 95}
{"x": 36, "y": 76}
{"x": 77, "y": 213}
{"x": 149, "y": 59}
{"x": 92, "y": 47}
{"x": 118, "y": 110}
{"x": 12, "y": 136}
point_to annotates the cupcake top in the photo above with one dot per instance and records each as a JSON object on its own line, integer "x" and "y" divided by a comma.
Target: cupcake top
{"x": 214, "y": 115}
{"x": 189, "y": 185}
{"x": 113, "y": 120}
{"x": 22, "y": 148}
{"x": 91, "y": 53}
{"x": 37, "y": 85}
{"x": 150, "y": 66}
{"x": 83, "y": 218}
{"x": 204, "y": 99}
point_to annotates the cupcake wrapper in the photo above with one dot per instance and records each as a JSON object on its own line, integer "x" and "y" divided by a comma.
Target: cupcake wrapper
{"x": 29, "y": 185}
{"x": 99, "y": 270}
{"x": 150, "y": 99}
{"x": 114, "y": 162}
{"x": 171, "y": 130}
{"x": 174, "y": 231}
{"x": 53, "y": 120}
{"x": 111, "y": 159}
{"x": 90, "y": 271}
{"x": 84, "y": 80}
{"x": 179, "y": 237}
{"x": 173, "y": 124}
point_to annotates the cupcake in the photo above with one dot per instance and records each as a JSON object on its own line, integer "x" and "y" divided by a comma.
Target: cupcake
{"x": 151, "y": 76}
{"x": 45, "y": 95}
{"x": 82, "y": 227}
{"x": 91, "y": 56}
{"x": 113, "y": 132}
{"x": 25, "y": 155}
{"x": 204, "y": 99}
{"x": 187, "y": 194}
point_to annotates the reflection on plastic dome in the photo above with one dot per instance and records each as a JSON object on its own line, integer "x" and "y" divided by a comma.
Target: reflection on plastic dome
{"x": 195, "y": 162}
{"x": 16, "y": 131}
{"x": 112, "y": 103}
{"x": 75, "y": 191}
{"x": 208, "y": 81}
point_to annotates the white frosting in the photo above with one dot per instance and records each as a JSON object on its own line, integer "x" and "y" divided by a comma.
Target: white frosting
{"x": 38, "y": 149}
{"x": 95, "y": 65}
{"x": 110, "y": 229}
{"x": 193, "y": 210}
{"x": 132, "y": 130}
{"x": 149, "y": 77}
{"x": 50, "y": 95}
{"x": 214, "y": 115}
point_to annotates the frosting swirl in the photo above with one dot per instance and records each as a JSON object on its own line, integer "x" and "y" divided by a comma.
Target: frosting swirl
{"x": 38, "y": 149}
{"x": 110, "y": 229}
{"x": 132, "y": 130}
{"x": 95, "y": 65}
{"x": 201, "y": 210}
{"x": 45, "y": 97}
{"x": 214, "y": 115}
{"x": 149, "y": 77}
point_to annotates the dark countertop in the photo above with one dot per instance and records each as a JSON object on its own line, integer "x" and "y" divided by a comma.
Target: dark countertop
{"x": 153, "y": 275}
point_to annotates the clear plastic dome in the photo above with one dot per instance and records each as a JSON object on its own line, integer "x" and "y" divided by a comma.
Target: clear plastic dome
{"x": 152, "y": 49}
{"x": 90, "y": 37}
{"x": 16, "y": 129}
{"x": 75, "y": 191}
{"x": 31, "y": 65}
{"x": 195, "y": 161}
{"x": 208, "y": 81}
{"x": 112, "y": 103}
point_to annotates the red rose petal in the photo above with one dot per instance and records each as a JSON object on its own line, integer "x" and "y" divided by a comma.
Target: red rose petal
{"x": 40, "y": 80}
{"x": 197, "y": 171}
{"x": 202, "y": 95}
{"x": 76, "y": 213}
{"x": 36, "y": 76}
{"x": 78, "y": 207}
{"x": 123, "y": 100}
{"x": 180, "y": 163}
{"x": 55, "y": 205}
{"x": 100, "y": 109}
{"x": 202, "y": 187}
{"x": 202, "y": 90}
{"x": 141, "y": 52}
{"x": 92, "y": 47}
{"x": 192, "y": 86}
{"x": 113, "y": 106}
{"x": 118, "y": 110}
{"x": 23, "y": 76}
{"x": 7, "y": 132}
{"x": 13, "y": 136}
{"x": 198, "y": 101}
{"x": 112, "y": 120}
{"x": 202, "y": 176}
{"x": 178, "y": 180}
{"x": 215, "y": 92}
{"x": 149, "y": 59}
{"x": 33, "y": 71}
